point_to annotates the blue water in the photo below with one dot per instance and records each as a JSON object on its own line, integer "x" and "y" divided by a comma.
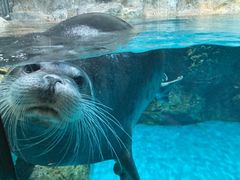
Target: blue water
{"x": 184, "y": 32}
{"x": 148, "y": 35}
{"x": 204, "y": 151}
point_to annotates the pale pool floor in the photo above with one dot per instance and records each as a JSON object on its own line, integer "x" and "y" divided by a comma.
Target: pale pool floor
{"x": 203, "y": 151}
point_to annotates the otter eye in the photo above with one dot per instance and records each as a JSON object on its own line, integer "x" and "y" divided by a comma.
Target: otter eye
{"x": 79, "y": 80}
{"x": 31, "y": 68}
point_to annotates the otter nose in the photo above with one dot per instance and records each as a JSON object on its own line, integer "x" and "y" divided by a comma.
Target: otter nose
{"x": 52, "y": 79}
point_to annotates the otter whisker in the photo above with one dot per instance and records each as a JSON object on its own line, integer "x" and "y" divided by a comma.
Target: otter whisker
{"x": 93, "y": 132}
{"x": 76, "y": 129}
{"x": 67, "y": 145}
{"x": 105, "y": 120}
{"x": 50, "y": 143}
{"x": 40, "y": 138}
{"x": 104, "y": 112}
{"x": 99, "y": 127}
{"x": 44, "y": 134}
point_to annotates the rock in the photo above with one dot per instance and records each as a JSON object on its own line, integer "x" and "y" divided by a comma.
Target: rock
{"x": 113, "y": 8}
{"x": 60, "y": 14}
{"x": 157, "y": 8}
{"x": 26, "y": 16}
{"x": 203, "y": 7}
{"x": 208, "y": 91}
{"x": 64, "y": 173}
{"x": 182, "y": 108}
{"x": 57, "y": 10}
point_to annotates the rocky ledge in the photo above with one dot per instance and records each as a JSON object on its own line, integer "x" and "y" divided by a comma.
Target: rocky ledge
{"x": 127, "y": 9}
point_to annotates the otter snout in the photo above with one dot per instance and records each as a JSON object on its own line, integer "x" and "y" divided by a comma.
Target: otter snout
{"x": 47, "y": 92}
{"x": 51, "y": 80}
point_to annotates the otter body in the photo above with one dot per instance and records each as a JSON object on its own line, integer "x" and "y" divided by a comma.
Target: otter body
{"x": 82, "y": 111}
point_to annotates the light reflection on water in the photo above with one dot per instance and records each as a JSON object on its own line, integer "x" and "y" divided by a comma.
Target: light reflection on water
{"x": 184, "y": 32}
{"x": 148, "y": 35}
{"x": 43, "y": 47}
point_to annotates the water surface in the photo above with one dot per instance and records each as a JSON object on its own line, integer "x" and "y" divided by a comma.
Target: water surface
{"x": 148, "y": 35}
{"x": 184, "y": 32}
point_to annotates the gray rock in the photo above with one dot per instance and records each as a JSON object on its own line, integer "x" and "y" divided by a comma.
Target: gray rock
{"x": 64, "y": 173}
{"x": 61, "y": 9}
{"x": 210, "y": 89}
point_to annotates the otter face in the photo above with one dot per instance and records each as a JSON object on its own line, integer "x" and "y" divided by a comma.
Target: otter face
{"x": 43, "y": 106}
{"x": 46, "y": 93}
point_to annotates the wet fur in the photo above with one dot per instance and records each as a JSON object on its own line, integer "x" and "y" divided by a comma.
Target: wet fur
{"x": 122, "y": 85}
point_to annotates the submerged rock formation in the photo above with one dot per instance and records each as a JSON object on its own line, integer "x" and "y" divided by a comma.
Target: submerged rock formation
{"x": 210, "y": 89}
{"x": 64, "y": 173}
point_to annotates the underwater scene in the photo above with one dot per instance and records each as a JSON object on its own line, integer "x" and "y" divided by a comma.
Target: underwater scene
{"x": 98, "y": 96}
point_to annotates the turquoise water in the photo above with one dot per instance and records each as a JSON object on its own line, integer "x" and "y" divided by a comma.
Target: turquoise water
{"x": 203, "y": 151}
{"x": 184, "y": 32}
{"x": 147, "y": 35}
